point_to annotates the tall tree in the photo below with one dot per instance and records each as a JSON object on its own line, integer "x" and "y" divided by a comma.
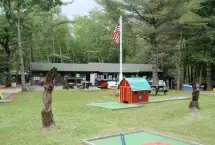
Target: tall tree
{"x": 200, "y": 42}
{"x": 207, "y": 11}
{"x": 15, "y": 9}
{"x": 5, "y": 39}
{"x": 150, "y": 17}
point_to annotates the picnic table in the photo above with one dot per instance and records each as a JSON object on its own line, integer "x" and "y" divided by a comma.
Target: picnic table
{"x": 158, "y": 88}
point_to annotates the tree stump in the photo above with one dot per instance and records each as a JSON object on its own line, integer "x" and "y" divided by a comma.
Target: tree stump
{"x": 66, "y": 85}
{"x": 47, "y": 115}
{"x": 194, "y": 105}
{"x": 47, "y": 118}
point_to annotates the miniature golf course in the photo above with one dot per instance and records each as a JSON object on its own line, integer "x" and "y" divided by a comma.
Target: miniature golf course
{"x": 137, "y": 138}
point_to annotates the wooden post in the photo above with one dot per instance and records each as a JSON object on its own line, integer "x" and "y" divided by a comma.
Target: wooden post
{"x": 47, "y": 115}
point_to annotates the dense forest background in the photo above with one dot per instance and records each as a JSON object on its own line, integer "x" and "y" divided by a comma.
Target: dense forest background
{"x": 177, "y": 36}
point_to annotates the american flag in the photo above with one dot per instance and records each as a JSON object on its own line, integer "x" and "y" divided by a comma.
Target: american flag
{"x": 116, "y": 33}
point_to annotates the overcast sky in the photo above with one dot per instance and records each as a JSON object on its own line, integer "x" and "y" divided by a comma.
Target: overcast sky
{"x": 79, "y": 7}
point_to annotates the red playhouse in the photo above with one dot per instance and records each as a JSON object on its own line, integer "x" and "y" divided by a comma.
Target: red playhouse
{"x": 134, "y": 90}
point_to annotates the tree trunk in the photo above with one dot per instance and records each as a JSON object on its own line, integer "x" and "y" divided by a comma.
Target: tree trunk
{"x": 22, "y": 68}
{"x": 40, "y": 53}
{"x": 195, "y": 73}
{"x": 191, "y": 73}
{"x": 185, "y": 72}
{"x": 8, "y": 75}
{"x": 162, "y": 63}
{"x": 6, "y": 46}
{"x": 32, "y": 49}
{"x": 185, "y": 65}
{"x": 188, "y": 72}
{"x": 209, "y": 83}
{"x": 200, "y": 75}
{"x": 17, "y": 69}
{"x": 47, "y": 115}
{"x": 61, "y": 60}
{"x": 178, "y": 64}
{"x": 178, "y": 75}
{"x": 154, "y": 61}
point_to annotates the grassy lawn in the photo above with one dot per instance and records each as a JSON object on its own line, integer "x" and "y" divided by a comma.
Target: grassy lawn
{"x": 20, "y": 121}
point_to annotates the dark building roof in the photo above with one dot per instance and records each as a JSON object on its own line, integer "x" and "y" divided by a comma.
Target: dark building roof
{"x": 91, "y": 67}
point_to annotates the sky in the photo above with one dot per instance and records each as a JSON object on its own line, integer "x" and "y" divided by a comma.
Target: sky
{"x": 79, "y": 7}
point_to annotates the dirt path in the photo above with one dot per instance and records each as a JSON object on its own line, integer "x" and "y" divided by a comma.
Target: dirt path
{"x": 11, "y": 90}
{"x": 1, "y": 86}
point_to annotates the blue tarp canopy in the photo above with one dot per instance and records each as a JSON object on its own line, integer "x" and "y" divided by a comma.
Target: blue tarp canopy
{"x": 138, "y": 84}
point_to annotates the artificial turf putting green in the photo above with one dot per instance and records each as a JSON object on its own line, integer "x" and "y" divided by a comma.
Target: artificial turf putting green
{"x": 137, "y": 138}
{"x": 4, "y": 99}
{"x": 117, "y": 105}
{"x": 5, "y": 95}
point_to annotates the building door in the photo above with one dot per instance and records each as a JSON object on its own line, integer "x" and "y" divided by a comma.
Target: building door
{"x": 87, "y": 77}
{"x": 105, "y": 76}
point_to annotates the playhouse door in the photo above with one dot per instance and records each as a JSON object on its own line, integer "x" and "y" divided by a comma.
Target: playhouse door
{"x": 124, "y": 96}
{"x": 140, "y": 96}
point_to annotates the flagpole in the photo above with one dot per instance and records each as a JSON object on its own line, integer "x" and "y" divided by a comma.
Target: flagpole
{"x": 120, "y": 54}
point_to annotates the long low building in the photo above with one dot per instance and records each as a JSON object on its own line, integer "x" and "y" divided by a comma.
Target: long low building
{"x": 93, "y": 70}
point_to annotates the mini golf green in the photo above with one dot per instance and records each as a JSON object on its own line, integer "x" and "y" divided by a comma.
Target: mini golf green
{"x": 138, "y": 138}
{"x": 117, "y": 105}
{"x": 6, "y": 95}
{"x": 4, "y": 99}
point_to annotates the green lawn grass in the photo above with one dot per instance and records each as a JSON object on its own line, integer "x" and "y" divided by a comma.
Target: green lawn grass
{"x": 20, "y": 121}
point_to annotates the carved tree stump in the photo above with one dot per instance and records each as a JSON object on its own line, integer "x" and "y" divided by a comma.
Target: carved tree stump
{"x": 66, "y": 85}
{"x": 47, "y": 115}
{"x": 47, "y": 118}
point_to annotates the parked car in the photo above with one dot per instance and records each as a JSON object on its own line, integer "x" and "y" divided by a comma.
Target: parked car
{"x": 75, "y": 82}
{"x": 105, "y": 84}
{"x": 102, "y": 84}
{"x": 112, "y": 84}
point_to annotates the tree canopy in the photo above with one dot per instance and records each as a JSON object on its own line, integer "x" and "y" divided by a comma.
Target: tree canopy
{"x": 176, "y": 36}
